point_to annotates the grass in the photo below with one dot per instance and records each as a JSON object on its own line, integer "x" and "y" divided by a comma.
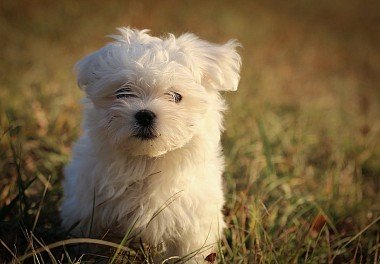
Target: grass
{"x": 302, "y": 139}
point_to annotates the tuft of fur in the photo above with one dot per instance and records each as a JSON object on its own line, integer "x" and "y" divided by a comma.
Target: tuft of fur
{"x": 168, "y": 188}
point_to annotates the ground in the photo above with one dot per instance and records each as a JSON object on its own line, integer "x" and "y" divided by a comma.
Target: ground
{"x": 302, "y": 131}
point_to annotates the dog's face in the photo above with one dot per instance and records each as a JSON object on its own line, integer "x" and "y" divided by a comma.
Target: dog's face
{"x": 148, "y": 95}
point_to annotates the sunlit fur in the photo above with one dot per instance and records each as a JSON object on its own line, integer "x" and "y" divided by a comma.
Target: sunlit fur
{"x": 168, "y": 188}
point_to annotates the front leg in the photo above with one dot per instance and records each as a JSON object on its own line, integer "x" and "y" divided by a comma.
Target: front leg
{"x": 195, "y": 244}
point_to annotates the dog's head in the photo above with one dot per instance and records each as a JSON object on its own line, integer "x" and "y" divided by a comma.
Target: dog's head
{"x": 149, "y": 95}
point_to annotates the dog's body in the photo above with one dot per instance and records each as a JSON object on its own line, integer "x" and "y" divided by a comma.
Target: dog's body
{"x": 150, "y": 157}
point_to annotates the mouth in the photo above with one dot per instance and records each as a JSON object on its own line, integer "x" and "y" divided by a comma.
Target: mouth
{"x": 146, "y": 134}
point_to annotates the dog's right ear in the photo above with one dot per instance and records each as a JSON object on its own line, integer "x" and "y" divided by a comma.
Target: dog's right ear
{"x": 87, "y": 70}
{"x": 104, "y": 63}
{"x": 103, "y": 68}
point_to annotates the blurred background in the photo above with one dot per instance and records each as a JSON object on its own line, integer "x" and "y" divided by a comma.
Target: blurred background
{"x": 302, "y": 139}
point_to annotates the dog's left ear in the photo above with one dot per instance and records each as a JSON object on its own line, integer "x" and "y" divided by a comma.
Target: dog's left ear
{"x": 216, "y": 66}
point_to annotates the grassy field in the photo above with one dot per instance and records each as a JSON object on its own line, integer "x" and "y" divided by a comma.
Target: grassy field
{"x": 303, "y": 130}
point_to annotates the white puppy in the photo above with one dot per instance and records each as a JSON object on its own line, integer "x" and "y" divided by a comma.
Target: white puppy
{"x": 150, "y": 156}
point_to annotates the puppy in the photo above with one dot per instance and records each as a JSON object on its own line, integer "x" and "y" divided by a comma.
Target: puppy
{"x": 150, "y": 157}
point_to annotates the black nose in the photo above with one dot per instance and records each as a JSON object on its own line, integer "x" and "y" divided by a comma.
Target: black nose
{"x": 145, "y": 117}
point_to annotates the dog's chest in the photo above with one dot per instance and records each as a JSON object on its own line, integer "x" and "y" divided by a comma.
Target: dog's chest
{"x": 143, "y": 188}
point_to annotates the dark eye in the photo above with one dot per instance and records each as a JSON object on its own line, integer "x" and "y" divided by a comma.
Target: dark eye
{"x": 175, "y": 97}
{"x": 124, "y": 93}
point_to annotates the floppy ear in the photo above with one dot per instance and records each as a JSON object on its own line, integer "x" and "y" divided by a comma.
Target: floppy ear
{"x": 103, "y": 68}
{"x": 217, "y": 66}
{"x": 86, "y": 70}
{"x": 110, "y": 59}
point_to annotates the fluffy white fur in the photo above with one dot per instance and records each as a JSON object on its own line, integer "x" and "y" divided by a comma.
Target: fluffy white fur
{"x": 168, "y": 188}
